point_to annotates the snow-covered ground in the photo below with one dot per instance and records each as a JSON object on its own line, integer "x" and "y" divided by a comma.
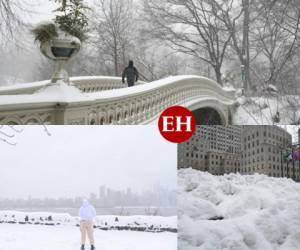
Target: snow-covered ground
{"x": 237, "y": 212}
{"x": 261, "y": 110}
{"x": 32, "y": 237}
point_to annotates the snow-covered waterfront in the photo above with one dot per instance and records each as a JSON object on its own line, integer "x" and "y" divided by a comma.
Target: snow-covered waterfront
{"x": 237, "y": 212}
{"x": 37, "y": 237}
{"x": 105, "y": 222}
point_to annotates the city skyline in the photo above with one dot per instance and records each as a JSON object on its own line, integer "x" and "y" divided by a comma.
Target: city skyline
{"x": 105, "y": 197}
{"x": 72, "y": 161}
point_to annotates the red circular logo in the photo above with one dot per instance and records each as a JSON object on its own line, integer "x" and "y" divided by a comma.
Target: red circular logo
{"x": 177, "y": 124}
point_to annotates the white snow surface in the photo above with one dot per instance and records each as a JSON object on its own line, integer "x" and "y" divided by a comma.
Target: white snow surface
{"x": 31, "y": 237}
{"x": 259, "y": 212}
{"x": 101, "y": 220}
{"x": 261, "y": 110}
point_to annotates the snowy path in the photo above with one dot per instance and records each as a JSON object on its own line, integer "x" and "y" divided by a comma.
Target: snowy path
{"x": 32, "y": 237}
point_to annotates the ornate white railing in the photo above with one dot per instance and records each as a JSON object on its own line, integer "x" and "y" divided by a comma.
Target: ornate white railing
{"x": 99, "y": 83}
{"x": 137, "y": 105}
{"x": 84, "y": 83}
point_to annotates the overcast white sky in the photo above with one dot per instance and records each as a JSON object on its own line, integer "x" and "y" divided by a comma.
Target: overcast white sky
{"x": 293, "y": 130}
{"x": 42, "y": 10}
{"x": 76, "y": 160}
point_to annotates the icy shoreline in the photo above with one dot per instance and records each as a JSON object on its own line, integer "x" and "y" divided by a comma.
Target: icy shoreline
{"x": 155, "y": 224}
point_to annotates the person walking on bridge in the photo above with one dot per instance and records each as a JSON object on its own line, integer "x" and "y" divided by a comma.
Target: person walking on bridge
{"x": 131, "y": 74}
{"x": 87, "y": 213}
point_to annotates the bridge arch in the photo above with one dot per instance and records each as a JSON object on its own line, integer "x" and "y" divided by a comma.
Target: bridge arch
{"x": 210, "y": 112}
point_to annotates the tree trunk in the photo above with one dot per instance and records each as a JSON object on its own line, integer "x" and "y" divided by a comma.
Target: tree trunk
{"x": 245, "y": 49}
{"x": 116, "y": 58}
{"x": 218, "y": 74}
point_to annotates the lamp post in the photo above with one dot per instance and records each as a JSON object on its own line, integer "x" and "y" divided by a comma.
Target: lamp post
{"x": 281, "y": 161}
{"x": 293, "y": 161}
{"x": 243, "y": 75}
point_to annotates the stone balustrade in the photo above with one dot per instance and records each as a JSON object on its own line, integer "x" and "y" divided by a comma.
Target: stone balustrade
{"x": 99, "y": 83}
{"x": 84, "y": 83}
{"x": 141, "y": 104}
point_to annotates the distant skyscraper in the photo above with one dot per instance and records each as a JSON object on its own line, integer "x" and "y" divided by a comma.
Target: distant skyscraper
{"x": 93, "y": 197}
{"x": 102, "y": 192}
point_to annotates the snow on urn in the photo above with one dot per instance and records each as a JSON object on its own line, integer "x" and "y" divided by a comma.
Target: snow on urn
{"x": 60, "y": 40}
{"x": 61, "y": 49}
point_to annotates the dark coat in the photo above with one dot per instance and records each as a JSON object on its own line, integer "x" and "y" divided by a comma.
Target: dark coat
{"x": 131, "y": 74}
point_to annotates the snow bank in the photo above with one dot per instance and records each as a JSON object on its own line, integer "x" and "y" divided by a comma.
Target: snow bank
{"x": 237, "y": 212}
{"x": 107, "y": 222}
{"x": 261, "y": 110}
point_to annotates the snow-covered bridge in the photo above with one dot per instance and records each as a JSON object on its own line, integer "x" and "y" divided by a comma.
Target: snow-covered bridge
{"x": 104, "y": 100}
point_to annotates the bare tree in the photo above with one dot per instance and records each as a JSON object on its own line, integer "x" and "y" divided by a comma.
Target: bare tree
{"x": 194, "y": 28}
{"x": 113, "y": 29}
{"x": 8, "y": 17}
{"x": 8, "y": 133}
{"x": 12, "y": 14}
{"x": 236, "y": 18}
{"x": 275, "y": 36}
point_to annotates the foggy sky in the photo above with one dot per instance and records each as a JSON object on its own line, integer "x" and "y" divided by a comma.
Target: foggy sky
{"x": 76, "y": 160}
{"x": 43, "y": 10}
{"x": 293, "y": 130}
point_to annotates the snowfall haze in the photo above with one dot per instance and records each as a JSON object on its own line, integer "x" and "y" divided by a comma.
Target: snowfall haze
{"x": 77, "y": 160}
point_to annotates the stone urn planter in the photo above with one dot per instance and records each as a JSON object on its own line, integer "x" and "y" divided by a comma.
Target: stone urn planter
{"x": 61, "y": 49}
{"x": 60, "y": 39}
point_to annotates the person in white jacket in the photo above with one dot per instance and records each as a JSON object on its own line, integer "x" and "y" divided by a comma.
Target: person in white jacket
{"x": 87, "y": 213}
